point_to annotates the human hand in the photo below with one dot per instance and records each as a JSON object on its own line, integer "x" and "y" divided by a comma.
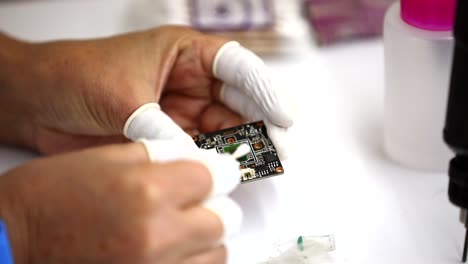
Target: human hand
{"x": 247, "y": 89}
{"x": 75, "y": 94}
{"x": 110, "y": 205}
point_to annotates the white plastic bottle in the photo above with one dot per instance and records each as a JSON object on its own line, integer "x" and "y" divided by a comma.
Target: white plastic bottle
{"x": 418, "y": 47}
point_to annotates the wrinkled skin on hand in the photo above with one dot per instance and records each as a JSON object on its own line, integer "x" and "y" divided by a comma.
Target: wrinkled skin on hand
{"x": 77, "y": 94}
{"x": 110, "y": 205}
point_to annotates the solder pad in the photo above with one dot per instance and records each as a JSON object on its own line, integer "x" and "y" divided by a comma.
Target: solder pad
{"x": 261, "y": 162}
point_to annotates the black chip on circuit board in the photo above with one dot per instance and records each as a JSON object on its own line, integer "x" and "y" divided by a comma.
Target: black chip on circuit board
{"x": 261, "y": 162}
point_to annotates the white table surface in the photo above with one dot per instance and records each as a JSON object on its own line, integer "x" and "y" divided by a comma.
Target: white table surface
{"x": 337, "y": 181}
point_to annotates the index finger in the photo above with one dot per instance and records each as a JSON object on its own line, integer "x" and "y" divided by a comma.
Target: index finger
{"x": 241, "y": 69}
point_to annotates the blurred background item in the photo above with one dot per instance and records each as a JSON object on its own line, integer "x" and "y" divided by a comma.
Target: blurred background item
{"x": 341, "y": 20}
{"x": 225, "y": 15}
{"x": 265, "y": 26}
{"x": 268, "y": 27}
{"x": 418, "y": 48}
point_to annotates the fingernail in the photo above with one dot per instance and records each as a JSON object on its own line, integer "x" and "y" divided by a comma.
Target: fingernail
{"x": 224, "y": 170}
{"x": 229, "y": 212}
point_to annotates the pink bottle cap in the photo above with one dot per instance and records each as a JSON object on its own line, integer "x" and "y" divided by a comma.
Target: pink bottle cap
{"x": 434, "y": 15}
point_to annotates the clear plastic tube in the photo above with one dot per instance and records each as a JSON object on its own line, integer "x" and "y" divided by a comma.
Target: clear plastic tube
{"x": 303, "y": 250}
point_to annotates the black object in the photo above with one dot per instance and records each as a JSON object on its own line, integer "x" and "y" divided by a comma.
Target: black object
{"x": 466, "y": 240}
{"x": 456, "y": 123}
{"x": 262, "y": 161}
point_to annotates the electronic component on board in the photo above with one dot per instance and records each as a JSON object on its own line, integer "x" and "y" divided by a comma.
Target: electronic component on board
{"x": 261, "y": 162}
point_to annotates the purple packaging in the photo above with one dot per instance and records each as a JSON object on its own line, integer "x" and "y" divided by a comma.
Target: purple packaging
{"x": 340, "y": 20}
{"x": 228, "y": 15}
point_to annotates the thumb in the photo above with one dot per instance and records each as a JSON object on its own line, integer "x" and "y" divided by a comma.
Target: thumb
{"x": 149, "y": 122}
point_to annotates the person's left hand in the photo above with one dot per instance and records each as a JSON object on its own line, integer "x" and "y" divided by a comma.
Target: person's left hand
{"x": 76, "y": 94}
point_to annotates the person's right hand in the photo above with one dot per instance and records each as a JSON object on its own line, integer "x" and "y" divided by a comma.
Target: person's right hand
{"x": 111, "y": 205}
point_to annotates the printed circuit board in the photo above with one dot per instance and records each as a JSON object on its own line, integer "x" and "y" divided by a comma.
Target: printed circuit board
{"x": 261, "y": 162}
